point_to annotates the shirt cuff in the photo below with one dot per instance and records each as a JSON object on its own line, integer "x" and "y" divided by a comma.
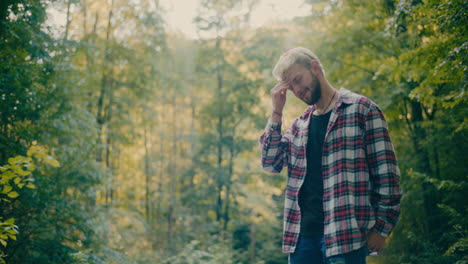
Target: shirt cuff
{"x": 382, "y": 228}
{"x": 272, "y": 126}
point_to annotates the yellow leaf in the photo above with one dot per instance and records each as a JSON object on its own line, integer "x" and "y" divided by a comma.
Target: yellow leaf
{"x": 212, "y": 214}
{"x": 17, "y": 180}
{"x": 52, "y": 162}
{"x": 33, "y": 151}
{"x": 31, "y": 186}
{"x": 4, "y": 243}
{"x": 8, "y": 175}
{"x": 31, "y": 167}
{"x": 15, "y": 160}
{"x": 7, "y": 189}
{"x": 13, "y": 194}
{"x": 18, "y": 170}
{"x": 30, "y": 151}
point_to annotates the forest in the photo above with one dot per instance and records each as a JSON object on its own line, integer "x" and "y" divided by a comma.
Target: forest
{"x": 124, "y": 142}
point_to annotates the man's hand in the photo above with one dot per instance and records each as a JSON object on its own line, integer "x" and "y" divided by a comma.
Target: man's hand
{"x": 375, "y": 242}
{"x": 278, "y": 99}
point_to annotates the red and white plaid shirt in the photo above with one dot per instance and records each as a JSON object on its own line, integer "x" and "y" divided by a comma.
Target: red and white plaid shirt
{"x": 361, "y": 189}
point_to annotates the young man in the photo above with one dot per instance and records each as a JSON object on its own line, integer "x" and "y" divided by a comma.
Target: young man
{"x": 342, "y": 197}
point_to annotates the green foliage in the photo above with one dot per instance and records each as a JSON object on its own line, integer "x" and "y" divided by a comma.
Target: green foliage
{"x": 40, "y": 103}
{"x": 16, "y": 175}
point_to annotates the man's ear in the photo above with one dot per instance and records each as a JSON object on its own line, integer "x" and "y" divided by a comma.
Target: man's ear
{"x": 315, "y": 67}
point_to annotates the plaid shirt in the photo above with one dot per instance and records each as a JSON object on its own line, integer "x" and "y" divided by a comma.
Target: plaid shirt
{"x": 360, "y": 173}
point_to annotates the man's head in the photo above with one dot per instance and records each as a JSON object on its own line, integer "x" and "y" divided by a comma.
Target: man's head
{"x": 301, "y": 69}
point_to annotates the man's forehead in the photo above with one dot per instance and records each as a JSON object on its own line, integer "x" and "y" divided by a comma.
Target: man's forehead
{"x": 291, "y": 71}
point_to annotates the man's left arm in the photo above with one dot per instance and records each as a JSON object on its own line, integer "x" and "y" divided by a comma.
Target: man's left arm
{"x": 384, "y": 173}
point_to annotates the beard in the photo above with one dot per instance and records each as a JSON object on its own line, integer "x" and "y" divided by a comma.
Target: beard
{"x": 313, "y": 92}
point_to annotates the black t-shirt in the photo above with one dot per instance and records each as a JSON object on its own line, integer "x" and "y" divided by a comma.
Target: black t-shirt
{"x": 311, "y": 193}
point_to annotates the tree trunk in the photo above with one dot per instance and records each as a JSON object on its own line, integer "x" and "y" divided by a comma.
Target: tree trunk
{"x": 104, "y": 86}
{"x": 100, "y": 115}
{"x": 107, "y": 135}
{"x": 173, "y": 175}
{"x": 252, "y": 244}
{"x": 147, "y": 173}
{"x": 67, "y": 26}
{"x": 423, "y": 165}
{"x": 228, "y": 185}
{"x": 159, "y": 192}
{"x": 220, "y": 174}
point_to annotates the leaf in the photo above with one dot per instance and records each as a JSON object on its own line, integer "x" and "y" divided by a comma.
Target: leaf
{"x": 13, "y": 194}
{"x": 6, "y": 176}
{"x": 35, "y": 151}
{"x": 7, "y": 189}
{"x": 16, "y": 160}
{"x": 52, "y": 162}
{"x": 30, "y": 167}
{"x": 18, "y": 170}
{"x": 31, "y": 186}
{"x": 31, "y": 151}
{"x": 17, "y": 180}
{"x": 4, "y": 243}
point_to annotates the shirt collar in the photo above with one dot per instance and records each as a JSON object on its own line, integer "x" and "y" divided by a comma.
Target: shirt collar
{"x": 345, "y": 97}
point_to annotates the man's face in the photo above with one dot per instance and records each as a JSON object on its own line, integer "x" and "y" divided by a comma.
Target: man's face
{"x": 303, "y": 84}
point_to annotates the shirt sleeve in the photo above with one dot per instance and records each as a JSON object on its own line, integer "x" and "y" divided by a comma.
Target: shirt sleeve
{"x": 384, "y": 172}
{"x": 274, "y": 147}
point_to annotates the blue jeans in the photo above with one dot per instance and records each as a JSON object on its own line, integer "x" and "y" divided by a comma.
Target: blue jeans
{"x": 311, "y": 250}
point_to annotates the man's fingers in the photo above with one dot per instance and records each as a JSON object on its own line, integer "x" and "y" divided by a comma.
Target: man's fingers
{"x": 277, "y": 88}
{"x": 280, "y": 87}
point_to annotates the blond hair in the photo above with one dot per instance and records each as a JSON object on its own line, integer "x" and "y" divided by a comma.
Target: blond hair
{"x": 298, "y": 55}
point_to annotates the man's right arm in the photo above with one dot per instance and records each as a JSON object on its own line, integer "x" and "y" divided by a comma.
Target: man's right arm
{"x": 274, "y": 146}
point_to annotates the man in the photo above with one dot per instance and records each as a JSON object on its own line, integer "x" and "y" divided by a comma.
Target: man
{"x": 342, "y": 196}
